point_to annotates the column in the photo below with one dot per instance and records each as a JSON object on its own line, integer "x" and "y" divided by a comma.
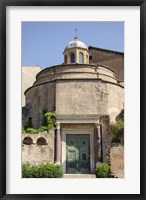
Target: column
{"x": 99, "y": 147}
{"x": 95, "y": 145}
{"x": 58, "y": 142}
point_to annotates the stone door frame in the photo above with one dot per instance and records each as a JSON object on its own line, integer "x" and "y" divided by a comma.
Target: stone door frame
{"x": 66, "y": 132}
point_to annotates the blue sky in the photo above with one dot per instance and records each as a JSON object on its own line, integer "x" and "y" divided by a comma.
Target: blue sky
{"x": 43, "y": 43}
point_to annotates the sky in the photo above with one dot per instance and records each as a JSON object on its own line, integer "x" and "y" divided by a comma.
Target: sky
{"x": 43, "y": 43}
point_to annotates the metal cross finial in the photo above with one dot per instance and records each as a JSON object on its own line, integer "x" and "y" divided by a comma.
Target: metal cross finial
{"x": 76, "y": 30}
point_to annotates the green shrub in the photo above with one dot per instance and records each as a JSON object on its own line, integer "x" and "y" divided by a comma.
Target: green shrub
{"x": 26, "y": 171}
{"x": 31, "y": 131}
{"x": 49, "y": 120}
{"x": 42, "y": 171}
{"x": 28, "y": 125}
{"x": 23, "y": 131}
{"x": 48, "y": 123}
{"x": 102, "y": 170}
{"x": 43, "y": 128}
{"x": 117, "y": 127}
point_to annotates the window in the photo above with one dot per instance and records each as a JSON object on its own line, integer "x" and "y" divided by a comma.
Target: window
{"x": 41, "y": 141}
{"x": 27, "y": 140}
{"x": 81, "y": 57}
{"x": 72, "y": 57}
{"x": 30, "y": 121}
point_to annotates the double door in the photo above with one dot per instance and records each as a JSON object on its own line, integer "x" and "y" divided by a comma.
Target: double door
{"x": 78, "y": 153}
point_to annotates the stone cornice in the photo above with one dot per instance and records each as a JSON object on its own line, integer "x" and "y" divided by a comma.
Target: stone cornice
{"x": 83, "y": 79}
{"x": 74, "y": 118}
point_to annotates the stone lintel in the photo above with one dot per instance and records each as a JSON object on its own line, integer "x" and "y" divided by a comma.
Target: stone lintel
{"x": 87, "y": 119}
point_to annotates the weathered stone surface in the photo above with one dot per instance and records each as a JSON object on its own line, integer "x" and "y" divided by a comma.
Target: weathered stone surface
{"x": 75, "y": 71}
{"x": 115, "y": 103}
{"x": 80, "y": 94}
{"x": 39, "y": 98}
{"x": 80, "y": 97}
{"x": 35, "y": 153}
{"x": 89, "y": 97}
{"x": 106, "y": 137}
{"x": 79, "y": 176}
{"x": 74, "y": 89}
{"x": 28, "y": 77}
{"x": 117, "y": 161}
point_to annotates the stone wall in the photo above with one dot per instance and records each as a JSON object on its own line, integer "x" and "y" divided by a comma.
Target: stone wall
{"x": 106, "y": 137}
{"x": 39, "y": 98}
{"x": 38, "y": 148}
{"x": 89, "y": 97}
{"x": 116, "y": 157}
{"x": 74, "y": 90}
{"x": 75, "y": 71}
{"x": 81, "y": 97}
{"x": 115, "y": 102}
{"x": 28, "y": 78}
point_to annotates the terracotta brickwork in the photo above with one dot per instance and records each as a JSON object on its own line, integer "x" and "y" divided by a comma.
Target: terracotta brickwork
{"x": 114, "y": 60}
{"x": 116, "y": 157}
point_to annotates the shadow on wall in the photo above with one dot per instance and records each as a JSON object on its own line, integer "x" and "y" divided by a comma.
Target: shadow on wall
{"x": 29, "y": 141}
{"x": 41, "y": 141}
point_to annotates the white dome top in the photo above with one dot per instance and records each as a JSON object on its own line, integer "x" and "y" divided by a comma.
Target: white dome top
{"x": 76, "y": 43}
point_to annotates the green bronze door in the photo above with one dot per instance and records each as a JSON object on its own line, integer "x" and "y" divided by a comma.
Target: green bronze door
{"x": 78, "y": 153}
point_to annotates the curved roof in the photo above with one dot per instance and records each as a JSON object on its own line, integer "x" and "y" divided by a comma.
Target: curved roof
{"x": 76, "y": 43}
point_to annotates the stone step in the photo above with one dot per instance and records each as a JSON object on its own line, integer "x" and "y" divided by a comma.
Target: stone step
{"x": 79, "y": 176}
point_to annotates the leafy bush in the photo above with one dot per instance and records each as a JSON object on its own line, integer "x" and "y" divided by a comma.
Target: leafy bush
{"x": 102, "y": 170}
{"x": 117, "y": 127}
{"x": 31, "y": 130}
{"x": 26, "y": 171}
{"x": 28, "y": 125}
{"x": 49, "y": 120}
{"x": 42, "y": 171}
{"x": 42, "y": 129}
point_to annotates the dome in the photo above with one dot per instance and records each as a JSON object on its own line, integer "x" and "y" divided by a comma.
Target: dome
{"x": 76, "y": 43}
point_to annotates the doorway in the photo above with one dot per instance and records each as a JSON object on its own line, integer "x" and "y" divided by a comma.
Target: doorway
{"x": 77, "y": 153}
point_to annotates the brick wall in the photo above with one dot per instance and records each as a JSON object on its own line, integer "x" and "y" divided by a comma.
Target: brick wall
{"x": 112, "y": 59}
{"x": 116, "y": 157}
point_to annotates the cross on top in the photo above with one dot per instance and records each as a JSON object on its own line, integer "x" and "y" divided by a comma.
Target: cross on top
{"x": 76, "y": 30}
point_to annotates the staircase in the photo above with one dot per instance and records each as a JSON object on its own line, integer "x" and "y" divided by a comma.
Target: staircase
{"x": 79, "y": 176}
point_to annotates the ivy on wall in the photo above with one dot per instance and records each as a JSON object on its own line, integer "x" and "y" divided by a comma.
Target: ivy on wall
{"x": 48, "y": 123}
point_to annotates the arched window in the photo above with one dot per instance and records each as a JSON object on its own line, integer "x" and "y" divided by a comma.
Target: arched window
{"x": 81, "y": 57}
{"x": 27, "y": 140}
{"x": 65, "y": 59}
{"x": 41, "y": 141}
{"x": 72, "y": 57}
